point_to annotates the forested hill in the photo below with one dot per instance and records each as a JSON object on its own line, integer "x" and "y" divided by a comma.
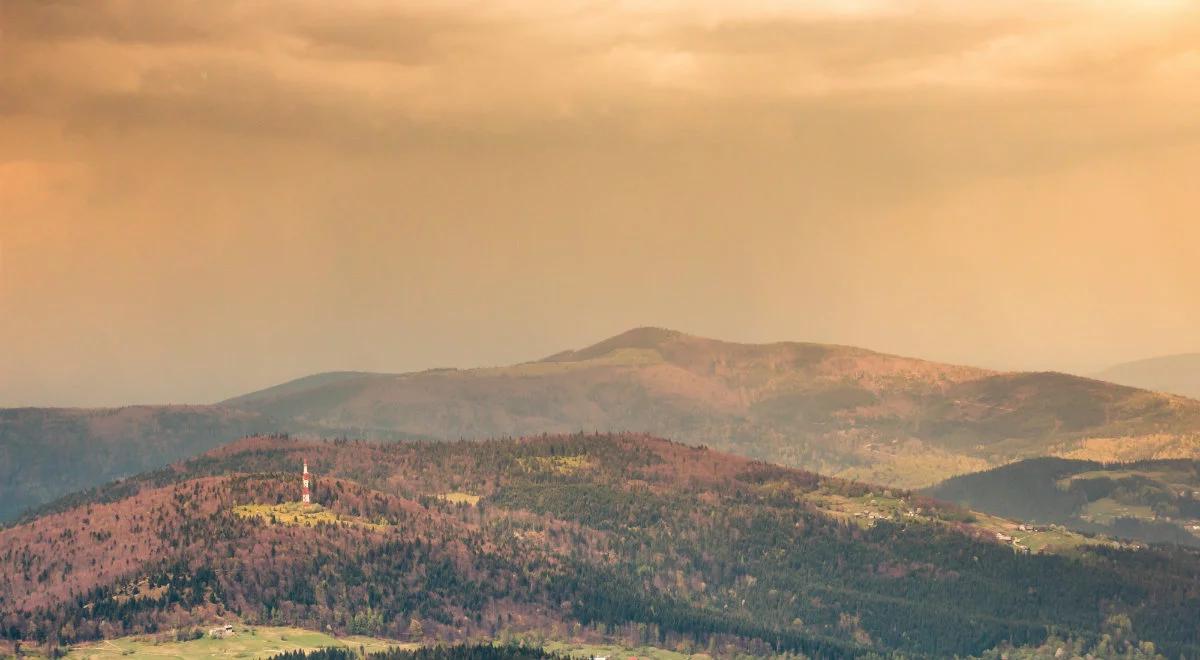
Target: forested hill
{"x": 1155, "y": 501}
{"x": 592, "y": 537}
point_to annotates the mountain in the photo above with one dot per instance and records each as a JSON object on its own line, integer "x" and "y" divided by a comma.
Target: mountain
{"x": 585, "y": 537}
{"x": 46, "y": 453}
{"x": 1178, "y": 374}
{"x": 839, "y": 410}
{"x": 1155, "y": 501}
{"x": 833, "y": 409}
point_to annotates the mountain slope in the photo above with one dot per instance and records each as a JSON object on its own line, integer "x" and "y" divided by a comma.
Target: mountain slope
{"x": 1178, "y": 374}
{"x": 45, "y": 453}
{"x": 585, "y": 536}
{"x": 834, "y": 409}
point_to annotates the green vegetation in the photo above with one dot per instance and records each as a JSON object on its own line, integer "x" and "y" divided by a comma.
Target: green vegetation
{"x": 1106, "y": 510}
{"x": 241, "y": 642}
{"x": 571, "y": 650}
{"x": 297, "y": 513}
{"x": 1152, "y": 501}
{"x": 558, "y": 464}
{"x": 655, "y": 544}
{"x": 481, "y": 651}
{"x": 460, "y": 498}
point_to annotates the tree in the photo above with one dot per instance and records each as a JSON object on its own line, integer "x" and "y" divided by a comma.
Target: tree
{"x": 415, "y": 629}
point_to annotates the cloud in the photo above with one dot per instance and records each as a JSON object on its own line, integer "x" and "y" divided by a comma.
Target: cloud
{"x": 508, "y": 66}
{"x": 359, "y": 177}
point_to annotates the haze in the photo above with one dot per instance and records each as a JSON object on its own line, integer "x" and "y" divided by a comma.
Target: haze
{"x": 199, "y": 199}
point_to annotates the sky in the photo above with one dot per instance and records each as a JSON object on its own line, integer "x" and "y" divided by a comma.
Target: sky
{"x": 199, "y": 199}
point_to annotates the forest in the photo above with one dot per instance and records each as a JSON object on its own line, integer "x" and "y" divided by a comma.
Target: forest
{"x": 619, "y": 537}
{"x": 1154, "y": 500}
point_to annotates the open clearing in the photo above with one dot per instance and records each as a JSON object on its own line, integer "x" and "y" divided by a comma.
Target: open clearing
{"x": 245, "y": 642}
{"x": 297, "y": 513}
{"x": 268, "y": 641}
{"x": 458, "y": 497}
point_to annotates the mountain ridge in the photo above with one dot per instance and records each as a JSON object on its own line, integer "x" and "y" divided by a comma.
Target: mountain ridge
{"x": 834, "y": 409}
{"x": 838, "y": 409}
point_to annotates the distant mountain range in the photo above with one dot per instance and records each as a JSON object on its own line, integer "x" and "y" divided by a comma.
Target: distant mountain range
{"x": 48, "y": 452}
{"x": 621, "y": 537}
{"x": 1177, "y": 374}
{"x": 839, "y": 410}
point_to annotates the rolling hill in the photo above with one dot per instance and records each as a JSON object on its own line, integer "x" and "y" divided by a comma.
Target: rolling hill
{"x": 622, "y": 539}
{"x": 1156, "y": 501}
{"x": 833, "y": 409}
{"x": 1177, "y": 374}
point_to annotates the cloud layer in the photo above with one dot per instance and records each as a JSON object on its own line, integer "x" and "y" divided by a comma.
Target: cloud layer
{"x": 198, "y": 198}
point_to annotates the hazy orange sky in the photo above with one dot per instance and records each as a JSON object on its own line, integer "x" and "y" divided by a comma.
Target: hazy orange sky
{"x": 199, "y": 198}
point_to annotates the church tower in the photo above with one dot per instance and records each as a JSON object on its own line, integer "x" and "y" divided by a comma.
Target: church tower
{"x": 305, "y": 496}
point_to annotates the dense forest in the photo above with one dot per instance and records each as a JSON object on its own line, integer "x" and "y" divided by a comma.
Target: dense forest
{"x": 594, "y": 537}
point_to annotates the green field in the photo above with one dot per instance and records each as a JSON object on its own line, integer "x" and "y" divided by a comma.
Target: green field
{"x": 296, "y": 513}
{"x": 1104, "y": 510}
{"x": 616, "y": 652}
{"x": 267, "y": 641}
{"x": 458, "y": 497}
{"x": 245, "y": 642}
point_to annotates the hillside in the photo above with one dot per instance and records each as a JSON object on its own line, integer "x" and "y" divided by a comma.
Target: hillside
{"x": 46, "y": 453}
{"x": 585, "y": 538}
{"x": 1177, "y": 374}
{"x": 834, "y": 409}
{"x": 1147, "y": 500}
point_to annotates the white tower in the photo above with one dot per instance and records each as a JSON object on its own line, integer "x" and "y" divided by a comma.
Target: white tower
{"x": 305, "y": 497}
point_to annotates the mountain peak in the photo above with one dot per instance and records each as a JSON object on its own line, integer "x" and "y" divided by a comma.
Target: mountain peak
{"x": 646, "y": 337}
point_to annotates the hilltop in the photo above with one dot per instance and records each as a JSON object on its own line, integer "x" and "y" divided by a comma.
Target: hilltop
{"x": 623, "y": 539}
{"x": 839, "y": 410}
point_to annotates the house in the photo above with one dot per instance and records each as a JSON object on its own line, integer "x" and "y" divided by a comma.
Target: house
{"x": 1000, "y": 536}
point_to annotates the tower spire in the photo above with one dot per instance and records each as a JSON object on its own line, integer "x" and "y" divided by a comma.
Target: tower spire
{"x": 305, "y": 497}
